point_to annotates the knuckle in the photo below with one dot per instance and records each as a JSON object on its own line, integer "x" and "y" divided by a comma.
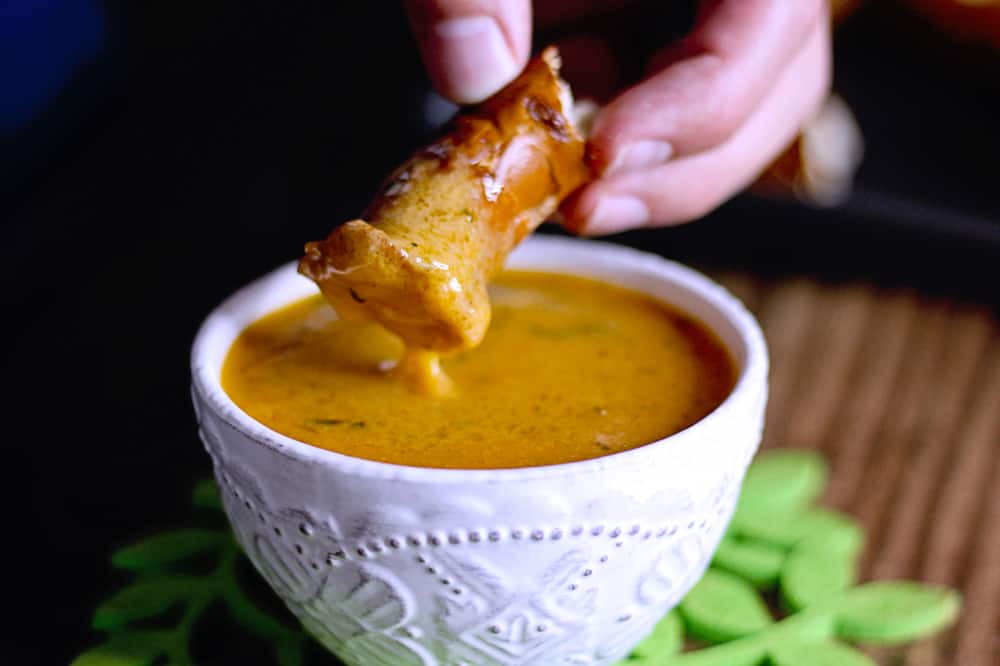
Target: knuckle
{"x": 719, "y": 113}
{"x": 721, "y": 118}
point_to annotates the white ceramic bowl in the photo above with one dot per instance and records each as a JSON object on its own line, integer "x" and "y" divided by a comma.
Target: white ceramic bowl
{"x": 562, "y": 564}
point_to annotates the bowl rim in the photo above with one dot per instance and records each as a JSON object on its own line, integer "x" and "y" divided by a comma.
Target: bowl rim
{"x": 752, "y": 379}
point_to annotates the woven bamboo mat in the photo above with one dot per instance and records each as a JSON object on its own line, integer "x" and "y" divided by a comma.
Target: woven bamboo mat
{"x": 901, "y": 394}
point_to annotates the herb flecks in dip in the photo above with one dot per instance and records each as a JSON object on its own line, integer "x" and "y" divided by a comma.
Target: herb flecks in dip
{"x": 570, "y": 369}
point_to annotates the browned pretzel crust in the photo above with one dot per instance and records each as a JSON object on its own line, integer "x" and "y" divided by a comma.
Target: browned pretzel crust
{"x": 444, "y": 222}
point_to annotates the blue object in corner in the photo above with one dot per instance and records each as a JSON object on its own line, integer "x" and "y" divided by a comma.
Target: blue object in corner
{"x": 42, "y": 43}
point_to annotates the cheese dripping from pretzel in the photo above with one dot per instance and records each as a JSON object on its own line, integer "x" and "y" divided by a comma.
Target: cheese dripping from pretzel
{"x": 420, "y": 259}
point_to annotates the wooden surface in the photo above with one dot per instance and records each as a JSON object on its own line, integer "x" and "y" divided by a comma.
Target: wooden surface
{"x": 901, "y": 394}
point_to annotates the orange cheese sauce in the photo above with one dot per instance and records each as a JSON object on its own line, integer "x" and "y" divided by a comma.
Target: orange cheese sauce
{"x": 570, "y": 369}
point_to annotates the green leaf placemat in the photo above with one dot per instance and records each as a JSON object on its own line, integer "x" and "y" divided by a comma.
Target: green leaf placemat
{"x": 778, "y": 546}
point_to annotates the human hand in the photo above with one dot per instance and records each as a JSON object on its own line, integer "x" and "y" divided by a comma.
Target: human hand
{"x": 714, "y": 110}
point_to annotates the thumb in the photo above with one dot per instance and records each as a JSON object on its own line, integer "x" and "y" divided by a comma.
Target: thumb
{"x": 472, "y": 48}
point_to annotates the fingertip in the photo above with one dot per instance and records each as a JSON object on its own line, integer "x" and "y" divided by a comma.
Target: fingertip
{"x": 617, "y": 145}
{"x": 615, "y": 213}
{"x": 639, "y": 155}
{"x": 595, "y": 213}
{"x": 469, "y": 59}
{"x": 472, "y": 48}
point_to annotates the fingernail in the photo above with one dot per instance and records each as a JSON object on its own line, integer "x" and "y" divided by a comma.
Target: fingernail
{"x": 474, "y": 56}
{"x": 642, "y": 154}
{"x": 614, "y": 214}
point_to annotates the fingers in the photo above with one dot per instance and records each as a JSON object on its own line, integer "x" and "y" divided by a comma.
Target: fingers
{"x": 689, "y": 187}
{"x": 709, "y": 84}
{"x": 472, "y": 48}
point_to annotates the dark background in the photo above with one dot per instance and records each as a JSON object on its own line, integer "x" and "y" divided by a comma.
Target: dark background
{"x": 191, "y": 147}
